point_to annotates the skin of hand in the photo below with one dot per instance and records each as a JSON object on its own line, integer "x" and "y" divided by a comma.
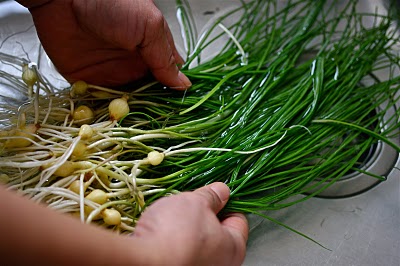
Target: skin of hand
{"x": 108, "y": 43}
{"x": 187, "y": 230}
{"x": 177, "y": 230}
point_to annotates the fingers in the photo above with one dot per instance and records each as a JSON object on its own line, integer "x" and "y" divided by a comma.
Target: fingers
{"x": 237, "y": 225}
{"x": 160, "y": 55}
{"x": 216, "y": 195}
{"x": 177, "y": 56}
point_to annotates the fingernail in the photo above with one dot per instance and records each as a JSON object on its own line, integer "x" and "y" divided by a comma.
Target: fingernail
{"x": 186, "y": 82}
{"x": 221, "y": 190}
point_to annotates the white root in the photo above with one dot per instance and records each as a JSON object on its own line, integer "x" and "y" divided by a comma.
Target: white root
{"x": 71, "y": 160}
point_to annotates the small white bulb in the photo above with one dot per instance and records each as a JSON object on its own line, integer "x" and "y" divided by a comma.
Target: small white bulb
{"x": 75, "y": 186}
{"x": 98, "y": 196}
{"x": 26, "y": 133}
{"x": 29, "y": 76}
{"x": 155, "y": 157}
{"x": 111, "y": 217}
{"x": 4, "y": 178}
{"x": 86, "y": 132}
{"x": 80, "y": 149}
{"x": 79, "y": 88}
{"x": 118, "y": 108}
{"x": 83, "y": 115}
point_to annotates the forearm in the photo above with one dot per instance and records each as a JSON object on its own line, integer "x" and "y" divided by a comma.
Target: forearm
{"x": 33, "y": 234}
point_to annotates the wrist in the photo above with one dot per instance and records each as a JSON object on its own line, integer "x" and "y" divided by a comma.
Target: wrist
{"x": 141, "y": 251}
{"x": 33, "y": 3}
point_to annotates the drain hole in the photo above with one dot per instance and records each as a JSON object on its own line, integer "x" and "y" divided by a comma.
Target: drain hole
{"x": 379, "y": 159}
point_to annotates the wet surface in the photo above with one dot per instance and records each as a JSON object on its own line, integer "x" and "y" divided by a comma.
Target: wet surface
{"x": 359, "y": 220}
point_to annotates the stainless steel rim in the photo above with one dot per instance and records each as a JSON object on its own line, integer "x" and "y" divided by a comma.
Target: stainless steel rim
{"x": 381, "y": 162}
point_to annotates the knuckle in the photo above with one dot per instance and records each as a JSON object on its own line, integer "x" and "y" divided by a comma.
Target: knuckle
{"x": 171, "y": 59}
{"x": 156, "y": 21}
{"x": 211, "y": 199}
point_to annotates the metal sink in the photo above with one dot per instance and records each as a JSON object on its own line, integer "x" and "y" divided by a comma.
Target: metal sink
{"x": 357, "y": 221}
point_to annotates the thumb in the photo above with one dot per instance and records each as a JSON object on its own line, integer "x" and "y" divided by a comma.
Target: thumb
{"x": 216, "y": 195}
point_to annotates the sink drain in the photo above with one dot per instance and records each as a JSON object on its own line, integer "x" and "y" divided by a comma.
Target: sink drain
{"x": 380, "y": 160}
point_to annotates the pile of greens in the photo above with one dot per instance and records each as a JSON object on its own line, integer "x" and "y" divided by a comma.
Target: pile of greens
{"x": 289, "y": 105}
{"x": 294, "y": 95}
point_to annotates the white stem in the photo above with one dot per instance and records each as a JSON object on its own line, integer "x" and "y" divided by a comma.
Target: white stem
{"x": 25, "y": 165}
{"x": 134, "y": 139}
{"x": 82, "y": 198}
{"x": 233, "y": 38}
{"x": 99, "y": 88}
{"x": 118, "y": 193}
{"x": 169, "y": 153}
{"x": 54, "y": 133}
{"x": 126, "y": 227}
{"x": 66, "y": 193}
{"x": 145, "y": 87}
{"x": 180, "y": 145}
{"x": 50, "y": 171}
{"x": 26, "y": 183}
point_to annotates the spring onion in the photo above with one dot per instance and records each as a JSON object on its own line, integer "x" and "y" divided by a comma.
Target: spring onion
{"x": 282, "y": 111}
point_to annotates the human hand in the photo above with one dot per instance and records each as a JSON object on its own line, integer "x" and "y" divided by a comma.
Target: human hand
{"x": 176, "y": 230}
{"x": 109, "y": 42}
{"x": 184, "y": 229}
